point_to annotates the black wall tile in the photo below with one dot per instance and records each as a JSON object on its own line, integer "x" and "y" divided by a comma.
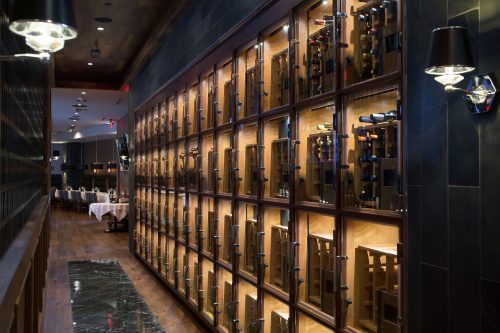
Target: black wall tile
{"x": 490, "y": 212}
{"x": 434, "y": 186}
{"x": 434, "y": 300}
{"x": 463, "y": 143}
{"x": 464, "y": 259}
{"x": 490, "y": 306}
{"x": 414, "y": 246}
{"x": 434, "y": 16}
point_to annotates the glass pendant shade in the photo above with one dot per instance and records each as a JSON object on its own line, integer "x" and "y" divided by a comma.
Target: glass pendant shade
{"x": 124, "y": 154}
{"x": 449, "y": 52}
{"x": 45, "y": 24}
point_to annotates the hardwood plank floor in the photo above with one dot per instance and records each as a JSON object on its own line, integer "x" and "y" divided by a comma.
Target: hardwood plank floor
{"x": 77, "y": 236}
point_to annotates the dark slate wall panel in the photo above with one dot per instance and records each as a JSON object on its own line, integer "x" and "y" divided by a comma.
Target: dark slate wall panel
{"x": 201, "y": 25}
{"x": 454, "y": 177}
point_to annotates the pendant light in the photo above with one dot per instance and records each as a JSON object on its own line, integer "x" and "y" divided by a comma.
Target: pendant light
{"x": 112, "y": 165}
{"x": 96, "y": 166}
{"x": 56, "y": 154}
{"x": 45, "y": 24}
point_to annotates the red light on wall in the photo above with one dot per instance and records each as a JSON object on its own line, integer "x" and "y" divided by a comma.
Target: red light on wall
{"x": 126, "y": 88}
{"x": 111, "y": 123}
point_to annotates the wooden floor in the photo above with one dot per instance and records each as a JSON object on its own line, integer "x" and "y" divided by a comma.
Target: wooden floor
{"x": 77, "y": 236}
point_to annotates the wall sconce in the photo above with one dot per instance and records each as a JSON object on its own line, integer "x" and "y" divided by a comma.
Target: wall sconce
{"x": 45, "y": 25}
{"x": 449, "y": 57}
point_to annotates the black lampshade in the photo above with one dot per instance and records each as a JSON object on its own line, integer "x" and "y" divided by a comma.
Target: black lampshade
{"x": 449, "y": 52}
{"x": 56, "y": 154}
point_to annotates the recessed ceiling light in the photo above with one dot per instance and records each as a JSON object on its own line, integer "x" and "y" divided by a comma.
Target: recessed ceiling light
{"x": 100, "y": 28}
{"x": 76, "y": 113}
{"x": 84, "y": 92}
{"x": 90, "y": 64}
{"x": 103, "y": 19}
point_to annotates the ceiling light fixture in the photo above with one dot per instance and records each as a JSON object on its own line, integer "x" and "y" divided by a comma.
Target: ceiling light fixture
{"x": 56, "y": 154}
{"x": 45, "y": 24}
{"x": 90, "y": 64}
{"x": 100, "y": 28}
{"x": 84, "y": 93}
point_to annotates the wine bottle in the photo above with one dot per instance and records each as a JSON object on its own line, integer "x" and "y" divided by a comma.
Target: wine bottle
{"x": 365, "y": 119}
{"x": 383, "y": 117}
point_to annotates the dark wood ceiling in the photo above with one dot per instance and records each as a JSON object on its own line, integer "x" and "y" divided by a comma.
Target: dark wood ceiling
{"x": 136, "y": 28}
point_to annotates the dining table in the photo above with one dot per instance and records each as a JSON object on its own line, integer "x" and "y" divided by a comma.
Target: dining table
{"x": 101, "y": 196}
{"x": 118, "y": 212}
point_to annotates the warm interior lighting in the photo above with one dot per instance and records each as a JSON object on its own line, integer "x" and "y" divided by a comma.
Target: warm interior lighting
{"x": 449, "y": 56}
{"x": 90, "y": 64}
{"x": 100, "y": 28}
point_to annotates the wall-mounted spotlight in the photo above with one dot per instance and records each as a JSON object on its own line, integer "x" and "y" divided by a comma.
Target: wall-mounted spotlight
{"x": 44, "y": 24}
{"x": 449, "y": 57}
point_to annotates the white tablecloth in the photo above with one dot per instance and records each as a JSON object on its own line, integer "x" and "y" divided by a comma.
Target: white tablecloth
{"x": 120, "y": 210}
{"x": 101, "y": 196}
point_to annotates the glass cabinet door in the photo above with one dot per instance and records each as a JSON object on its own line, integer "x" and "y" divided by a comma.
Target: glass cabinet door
{"x": 314, "y": 50}
{"x": 225, "y": 300}
{"x": 163, "y": 120}
{"x": 372, "y": 158}
{"x": 182, "y": 221}
{"x": 192, "y": 281}
{"x": 206, "y": 225}
{"x": 248, "y": 319}
{"x": 207, "y": 101}
{"x": 248, "y": 237}
{"x": 208, "y": 290}
{"x": 193, "y": 109}
{"x": 276, "y": 248}
{"x": 372, "y": 276}
{"x": 181, "y": 166}
{"x": 171, "y": 121}
{"x": 276, "y": 158}
{"x": 170, "y": 166}
{"x": 192, "y": 212}
{"x": 170, "y": 214}
{"x": 315, "y": 258}
{"x": 247, "y": 87}
{"x": 193, "y": 165}
{"x": 207, "y": 163}
{"x": 181, "y": 113}
{"x": 274, "y": 57}
{"x": 316, "y": 155}
{"x": 225, "y": 230}
{"x": 248, "y": 169}
{"x": 224, "y": 91}
{"x": 170, "y": 257}
{"x": 225, "y": 162}
{"x": 276, "y": 315}
{"x": 181, "y": 264}
{"x": 371, "y": 38}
